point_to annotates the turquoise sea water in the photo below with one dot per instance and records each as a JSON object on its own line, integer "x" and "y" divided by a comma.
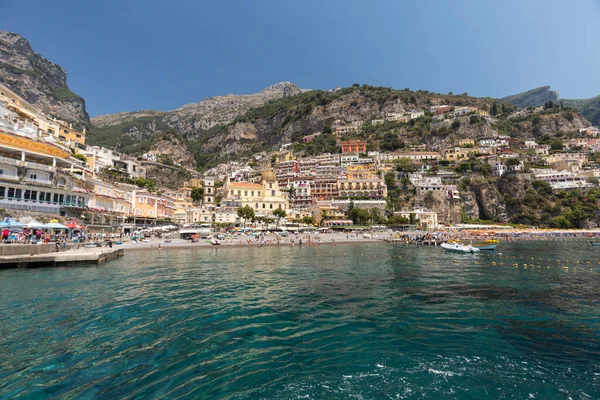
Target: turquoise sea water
{"x": 350, "y": 321}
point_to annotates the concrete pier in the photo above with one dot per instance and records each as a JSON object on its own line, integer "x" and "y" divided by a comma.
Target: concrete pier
{"x": 96, "y": 255}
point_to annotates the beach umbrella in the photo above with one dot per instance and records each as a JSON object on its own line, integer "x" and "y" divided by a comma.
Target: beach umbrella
{"x": 34, "y": 225}
{"x": 54, "y": 225}
{"x": 10, "y": 223}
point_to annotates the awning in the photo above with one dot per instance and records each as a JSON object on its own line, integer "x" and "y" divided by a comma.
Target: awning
{"x": 54, "y": 225}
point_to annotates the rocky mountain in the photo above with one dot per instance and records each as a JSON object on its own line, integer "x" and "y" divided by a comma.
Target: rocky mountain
{"x": 39, "y": 81}
{"x": 535, "y": 97}
{"x": 120, "y": 128}
{"x": 589, "y": 108}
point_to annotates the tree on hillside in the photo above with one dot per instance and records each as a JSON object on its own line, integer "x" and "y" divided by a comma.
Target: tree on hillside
{"x": 404, "y": 164}
{"x": 246, "y": 213}
{"x": 197, "y": 194}
{"x": 279, "y": 213}
{"x": 494, "y": 110}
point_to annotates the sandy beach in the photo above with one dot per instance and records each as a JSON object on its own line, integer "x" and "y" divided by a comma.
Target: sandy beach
{"x": 248, "y": 241}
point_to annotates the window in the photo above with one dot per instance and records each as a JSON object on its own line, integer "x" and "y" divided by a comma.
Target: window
{"x": 56, "y": 197}
{"x": 252, "y": 193}
{"x": 27, "y": 194}
{"x": 2, "y": 191}
{"x": 65, "y": 130}
{"x": 99, "y": 189}
{"x": 78, "y": 136}
{"x": 263, "y": 205}
{"x": 271, "y": 206}
{"x": 272, "y": 193}
{"x": 61, "y": 198}
{"x": 256, "y": 206}
{"x": 1, "y": 172}
{"x": 150, "y": 212}
{"x": 246, "y": 193}
{"x": 33, "y": 176}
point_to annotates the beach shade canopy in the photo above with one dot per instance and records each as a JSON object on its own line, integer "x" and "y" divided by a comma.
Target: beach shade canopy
{"x": 34, "y": 225}
{"x": 54, "y": 225}
{"x": 11, "y": 224}
{"x": 73, "y": 225}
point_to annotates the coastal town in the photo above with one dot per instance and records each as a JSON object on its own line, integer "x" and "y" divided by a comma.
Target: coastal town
{"x": 299, "y": 200}
{"x": 48, "y": 172}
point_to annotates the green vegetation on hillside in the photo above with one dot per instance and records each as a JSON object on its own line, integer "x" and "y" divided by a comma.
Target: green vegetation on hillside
{"x": 63, "y": 93}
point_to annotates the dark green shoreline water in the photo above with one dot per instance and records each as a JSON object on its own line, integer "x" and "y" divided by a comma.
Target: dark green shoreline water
{"x": 346, "y": 321}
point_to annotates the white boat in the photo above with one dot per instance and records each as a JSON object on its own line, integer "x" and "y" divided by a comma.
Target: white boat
{"x": 459, "y": 248}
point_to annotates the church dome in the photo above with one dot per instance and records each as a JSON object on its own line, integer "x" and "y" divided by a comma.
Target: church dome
{"x": 269, "y": 176}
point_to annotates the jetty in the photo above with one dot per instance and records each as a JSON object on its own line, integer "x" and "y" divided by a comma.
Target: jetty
{"x": 30, "y": 256}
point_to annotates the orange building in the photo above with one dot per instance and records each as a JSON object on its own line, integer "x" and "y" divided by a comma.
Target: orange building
{"x": 149, "y": 205}
{"x": 354, "y": 146}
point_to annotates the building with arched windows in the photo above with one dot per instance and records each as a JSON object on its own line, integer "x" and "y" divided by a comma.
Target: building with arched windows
{"x": 263, "y": 197}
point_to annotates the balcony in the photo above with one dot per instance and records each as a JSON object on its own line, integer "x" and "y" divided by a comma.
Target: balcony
{"x": 11, "y": 161}
{"x": 38, "y": 166}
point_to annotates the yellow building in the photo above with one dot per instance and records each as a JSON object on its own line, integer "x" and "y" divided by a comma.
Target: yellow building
{"x": 72, "y": 136}
{"x": 457, "y": 153}
{"x": 194, "y": 183}
{"x": 26, "y": 112}
{"x": 466, "y": 142}
{"x": 182, "y": 201}
{"x": 284, "y": 156}
{"x": 361, "y": 171}
{"x": 264, "y": 197}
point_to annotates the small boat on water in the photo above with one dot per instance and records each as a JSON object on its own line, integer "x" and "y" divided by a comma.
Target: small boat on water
{"x": 595, "y": 243}
{"x": 486, "y": 246}
{"x": 459, "y": 248}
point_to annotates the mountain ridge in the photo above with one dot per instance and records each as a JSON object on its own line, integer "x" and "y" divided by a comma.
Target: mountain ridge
{"x": 38, "y": 80}
{"x": 589, "y": 108}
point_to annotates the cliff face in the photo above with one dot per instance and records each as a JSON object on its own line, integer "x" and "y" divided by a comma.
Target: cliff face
{"x": 39, "y": 81}
{"x": 535, "y": 97}
{"x": 190, "y": 120}
{"x": 589, "y": 108}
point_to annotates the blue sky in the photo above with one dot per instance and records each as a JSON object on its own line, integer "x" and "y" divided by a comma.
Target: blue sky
{"x": 124, "y": 55}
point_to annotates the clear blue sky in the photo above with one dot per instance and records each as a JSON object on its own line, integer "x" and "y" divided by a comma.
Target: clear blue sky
{"x": 123, "y": 55}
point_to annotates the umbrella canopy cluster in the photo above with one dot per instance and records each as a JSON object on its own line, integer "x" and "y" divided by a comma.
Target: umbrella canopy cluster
{"x": 32, "y": 225}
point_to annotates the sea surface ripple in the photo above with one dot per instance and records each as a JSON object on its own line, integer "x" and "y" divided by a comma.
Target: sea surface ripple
{"x": 336, "y": 322}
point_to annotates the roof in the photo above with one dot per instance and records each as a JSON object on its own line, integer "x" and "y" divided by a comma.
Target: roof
{"x": 244, "y": 185}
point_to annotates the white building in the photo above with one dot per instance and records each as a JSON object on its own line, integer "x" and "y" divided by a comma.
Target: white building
{"x": 560, "y": 180}
{"x": 427, "y": 218}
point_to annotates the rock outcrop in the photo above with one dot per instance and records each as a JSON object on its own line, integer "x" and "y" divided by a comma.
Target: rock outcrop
{"x": 39, "y": 81}
{"x": 532, "y": 98}
{"x": 189, "y": 120}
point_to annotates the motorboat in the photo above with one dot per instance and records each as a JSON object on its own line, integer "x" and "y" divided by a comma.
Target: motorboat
{"x": 459, "y": 248}
{"x": 595, "y": 243}
{"x": 486, "y": 246}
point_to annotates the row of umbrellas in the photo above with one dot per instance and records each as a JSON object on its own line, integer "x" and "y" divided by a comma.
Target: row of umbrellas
{"x": 10, "y": 223}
